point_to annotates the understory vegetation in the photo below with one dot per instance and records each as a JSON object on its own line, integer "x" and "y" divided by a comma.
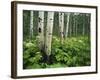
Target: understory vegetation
{"x": 75, "y": 51}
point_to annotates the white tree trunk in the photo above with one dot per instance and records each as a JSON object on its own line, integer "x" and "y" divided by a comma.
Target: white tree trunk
{"x": 74, "y": 26}
{"x": 61, "y": 26}
{"x": 70, "y": 24}
{"x": 67, "y": 24}
{"x": 49, "y": 29}
{"x": 75, "y": 23}
{"x": 83, "y": 32}
{"x": 31, "y": 24}
{"x": 41, "y": 30}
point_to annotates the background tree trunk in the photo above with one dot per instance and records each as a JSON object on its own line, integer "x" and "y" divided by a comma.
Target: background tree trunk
{"x": 49, "y": 30}
{"x": 41, "y": 30}
{"x": 83, "y": 32}
{"x": 61, "y": 26}
{"x": 74, "y": 25}
{"x": 70, "y": 25}
{"x": 31, "y": 24}
{"x": 67, "y": 24}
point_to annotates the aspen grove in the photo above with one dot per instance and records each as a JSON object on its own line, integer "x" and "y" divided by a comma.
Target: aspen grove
{"x": 56, "y": 39}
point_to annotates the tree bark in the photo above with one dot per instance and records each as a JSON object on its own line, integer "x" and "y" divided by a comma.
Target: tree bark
{"x": 41, "y": 30}
{"x": 67, "y": 24}
{"x": 31, "y": 24}
{"x": 70, "y": 25}
{"x": 75, "y": 23}
{"x": 83, "y": 32}
{"x": 49, "y": 29}
{"x": 61, "y": 26}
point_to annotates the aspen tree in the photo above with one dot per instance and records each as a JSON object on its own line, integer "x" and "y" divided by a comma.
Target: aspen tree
{"x": 31, "y": 24}
{"x": 41, "y": 30}
{"x": 75, "y": 23}
{"x": 61, "y": 26}
{"x": 70, "y": 25}
{"x": 67, "y": 24}
{"x": 49, "y": 29}
{"x": 83, "y": 32}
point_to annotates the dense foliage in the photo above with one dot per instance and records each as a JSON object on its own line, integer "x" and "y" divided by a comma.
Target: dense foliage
{"x": 75, "y": 51}
{"x": 56, "y": 39}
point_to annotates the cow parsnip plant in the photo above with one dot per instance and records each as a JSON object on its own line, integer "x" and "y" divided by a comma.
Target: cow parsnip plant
{"x": 75, "y": 51}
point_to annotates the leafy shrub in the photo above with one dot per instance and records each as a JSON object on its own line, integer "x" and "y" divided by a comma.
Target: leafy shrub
{"x": 75, "y": 51}
{"x": 31, "y": 54}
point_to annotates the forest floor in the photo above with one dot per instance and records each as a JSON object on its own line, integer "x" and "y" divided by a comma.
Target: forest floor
{"x": 74, "y": 52}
